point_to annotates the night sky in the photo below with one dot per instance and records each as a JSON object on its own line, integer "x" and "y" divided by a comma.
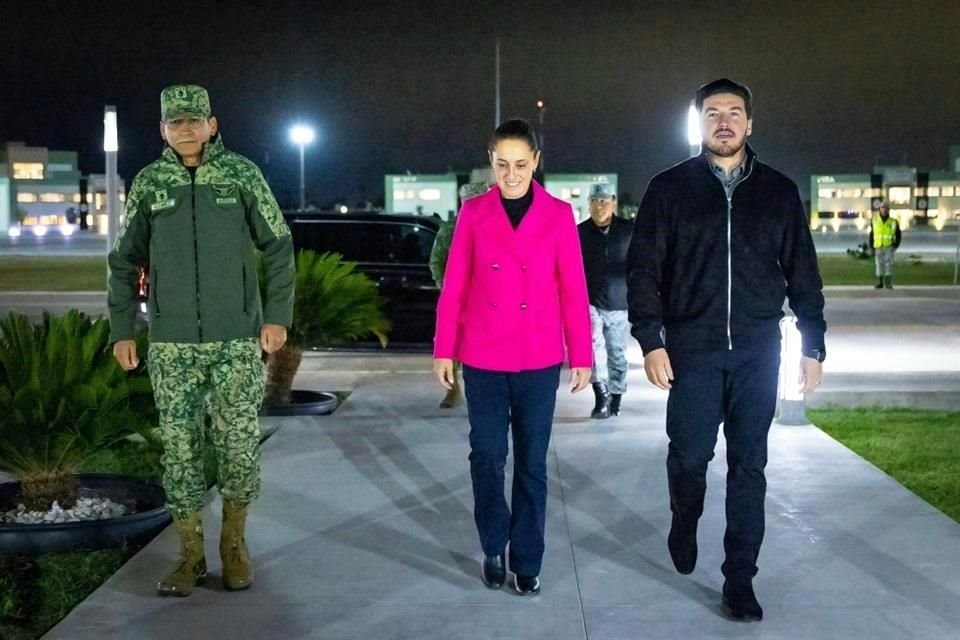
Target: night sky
{"x": 409, "y": 85}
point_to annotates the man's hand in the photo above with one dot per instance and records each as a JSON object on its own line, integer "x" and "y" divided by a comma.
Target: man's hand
{"x": 811, "y": 374}
{"x": 579, "y": 379}
{"x": 443, "y": 369}
{"x": 272, "y": 337}
{"x": 657, "y": 365}
{"x": 125, "y": 351}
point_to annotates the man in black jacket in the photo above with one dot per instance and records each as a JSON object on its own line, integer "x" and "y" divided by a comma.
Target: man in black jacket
{"x": 719, "y": 241}
{"x": 604, "y": 241}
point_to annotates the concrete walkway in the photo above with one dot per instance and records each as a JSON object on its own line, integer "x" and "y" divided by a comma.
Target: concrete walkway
{"x": 365, "y": 530}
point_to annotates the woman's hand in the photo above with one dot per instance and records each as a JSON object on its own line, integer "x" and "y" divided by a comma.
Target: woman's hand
{"x": 443, "y": 369}
{"x": 579, "y": 378}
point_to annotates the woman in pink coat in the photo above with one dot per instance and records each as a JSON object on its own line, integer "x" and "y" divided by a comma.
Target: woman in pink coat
{"x": 513, "y": 302}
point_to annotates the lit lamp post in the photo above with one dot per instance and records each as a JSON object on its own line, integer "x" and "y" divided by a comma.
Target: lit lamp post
{"x": 302, "y": 135}
{"x": 110, "y": 147}
{"x": 694, "y": 138}
{"x": 541, "y": 109}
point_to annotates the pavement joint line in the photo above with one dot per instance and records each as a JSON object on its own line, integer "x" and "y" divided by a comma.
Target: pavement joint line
{"x": 573, "y": 551}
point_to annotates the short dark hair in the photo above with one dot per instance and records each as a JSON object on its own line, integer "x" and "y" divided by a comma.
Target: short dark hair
{"x": 515, "y": 129}
{"x": 725, "y": 85}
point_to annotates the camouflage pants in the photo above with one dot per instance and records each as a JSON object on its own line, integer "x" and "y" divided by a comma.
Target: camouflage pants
{"x": 228, "y": 378}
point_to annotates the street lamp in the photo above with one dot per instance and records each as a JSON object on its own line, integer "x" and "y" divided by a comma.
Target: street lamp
{"x": 694, "y": 137}
{"x": 302, "y": 135}
{"x": 110, "y": 148}
{"x": 541, "y": 109}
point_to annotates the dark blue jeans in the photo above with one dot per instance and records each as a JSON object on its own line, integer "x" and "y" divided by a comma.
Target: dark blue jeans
{"x": 739, "y": 389}
{"x": 497, "y": 401}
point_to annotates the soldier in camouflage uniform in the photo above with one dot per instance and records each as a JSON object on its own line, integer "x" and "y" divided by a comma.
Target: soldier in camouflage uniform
{"x": 438, "y": 265}
{"x": 198, "y": 216}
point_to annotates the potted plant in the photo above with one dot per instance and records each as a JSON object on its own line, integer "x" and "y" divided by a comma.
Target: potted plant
{"x": 334, "y": 304}
{"x": 63, "y": 397}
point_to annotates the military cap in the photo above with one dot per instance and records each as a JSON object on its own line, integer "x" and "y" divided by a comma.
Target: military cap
{"x": 184, "y": 100}
{"x": 602, "y": 191}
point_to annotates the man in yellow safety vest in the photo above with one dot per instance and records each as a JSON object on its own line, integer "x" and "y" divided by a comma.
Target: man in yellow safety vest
{"x": 885, "y": 239}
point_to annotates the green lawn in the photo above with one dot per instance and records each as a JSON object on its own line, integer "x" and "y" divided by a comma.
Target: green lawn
{"x": 919, "y": 449}
{"x": 21, "y": 273}
{"x": 845, "y": 270}
{"x": 59, "y": 273}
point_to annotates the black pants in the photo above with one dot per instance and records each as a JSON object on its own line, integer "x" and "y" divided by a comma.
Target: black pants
{"x": 739, "y": 389}
{"x": 497, "y": 401}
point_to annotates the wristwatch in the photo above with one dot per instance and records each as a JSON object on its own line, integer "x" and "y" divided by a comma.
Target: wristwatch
{"x": 817, "y": 354}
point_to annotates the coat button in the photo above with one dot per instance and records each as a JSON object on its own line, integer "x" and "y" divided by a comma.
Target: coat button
{"x": 523, "y": 267}
{"x": 493, "y": 305}
{"x": 495, "y": 266}
{"x": 523, "y": 307}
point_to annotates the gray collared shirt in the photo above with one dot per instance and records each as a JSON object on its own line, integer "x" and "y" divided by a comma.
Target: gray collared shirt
{"x": 729, "y": 182}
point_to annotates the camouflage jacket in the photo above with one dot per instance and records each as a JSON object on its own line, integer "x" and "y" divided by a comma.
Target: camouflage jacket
{"x": 199, "y": 235}
{"x": 440, "y": 250}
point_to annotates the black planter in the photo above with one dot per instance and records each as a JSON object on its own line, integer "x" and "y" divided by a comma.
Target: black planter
{"x": 149, "y": 518}
{"x": 304, "y": 403}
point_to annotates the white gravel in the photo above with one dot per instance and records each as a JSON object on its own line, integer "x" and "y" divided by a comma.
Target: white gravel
{"x": 85, "y": 509}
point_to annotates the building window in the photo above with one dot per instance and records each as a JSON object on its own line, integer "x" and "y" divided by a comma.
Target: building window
{"x": 53, "y": 197}
{"x": 899, "y": 195}
{"x": 850, "y": 193}
{"x": 933, "y": 192}
{"x": 564, "y": 194}
{"x": 575, "y": 193}
{"x": 948, "y": 192}
{"x": 429, "y": 194}
{"x": 28, "y": 171}
{"x": 76, "y": 198}
{"x": 26, "y": 197}
{"x": 825, "y": 194}
{"x": 399, "y": 194}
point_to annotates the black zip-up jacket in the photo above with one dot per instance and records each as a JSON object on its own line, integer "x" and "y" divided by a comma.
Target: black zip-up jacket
{"x": 605, "y": 262}
{"x": 707, "y": 274}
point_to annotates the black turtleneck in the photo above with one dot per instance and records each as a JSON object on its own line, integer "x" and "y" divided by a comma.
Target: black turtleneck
{"x": 517, "y": 207}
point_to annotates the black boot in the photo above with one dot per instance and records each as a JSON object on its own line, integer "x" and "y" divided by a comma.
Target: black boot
{"x": 739, "y": 601}
{"x": 601, "y": 410}
{"x": 879, "y": 285}
{"x": 682, "y": 543}
{"x": 888, "y": 282}
{"x": 526, "y": 585}
{"x": 615, "y": 404}
{"x": 494, "y": 571}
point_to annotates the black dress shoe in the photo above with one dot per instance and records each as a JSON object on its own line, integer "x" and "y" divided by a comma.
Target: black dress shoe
{"x": 526, "y": 585}
{"x": 682, "y": 543}
{"x": 740, "y": 603}
{"x": 494, "y": 572}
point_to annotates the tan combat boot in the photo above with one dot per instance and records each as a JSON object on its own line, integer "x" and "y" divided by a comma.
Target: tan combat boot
{"x": 237, "y": 568}
{"x": 192, "y": 567}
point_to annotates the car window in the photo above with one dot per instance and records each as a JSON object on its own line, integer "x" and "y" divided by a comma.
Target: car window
{"x": 366, "y": 241}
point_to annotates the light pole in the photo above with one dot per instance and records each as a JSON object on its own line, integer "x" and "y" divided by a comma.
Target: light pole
{"x": 302, "y": 135}
{"x": 110, "y": 148}
{"x": 694, "y": 137}
{"x": 541, "y": 109}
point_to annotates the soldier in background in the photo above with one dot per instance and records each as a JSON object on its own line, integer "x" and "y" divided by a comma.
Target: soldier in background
{"x": 438, "y": 264}
{"x": 198, "y": 216}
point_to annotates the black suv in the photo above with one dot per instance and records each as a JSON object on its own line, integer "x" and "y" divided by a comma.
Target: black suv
{"x": 393, "y": 250}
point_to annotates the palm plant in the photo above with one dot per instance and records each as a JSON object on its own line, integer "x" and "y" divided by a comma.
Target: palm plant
{"x": 333, "y": 304}
{"x": 62, "y": 398}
